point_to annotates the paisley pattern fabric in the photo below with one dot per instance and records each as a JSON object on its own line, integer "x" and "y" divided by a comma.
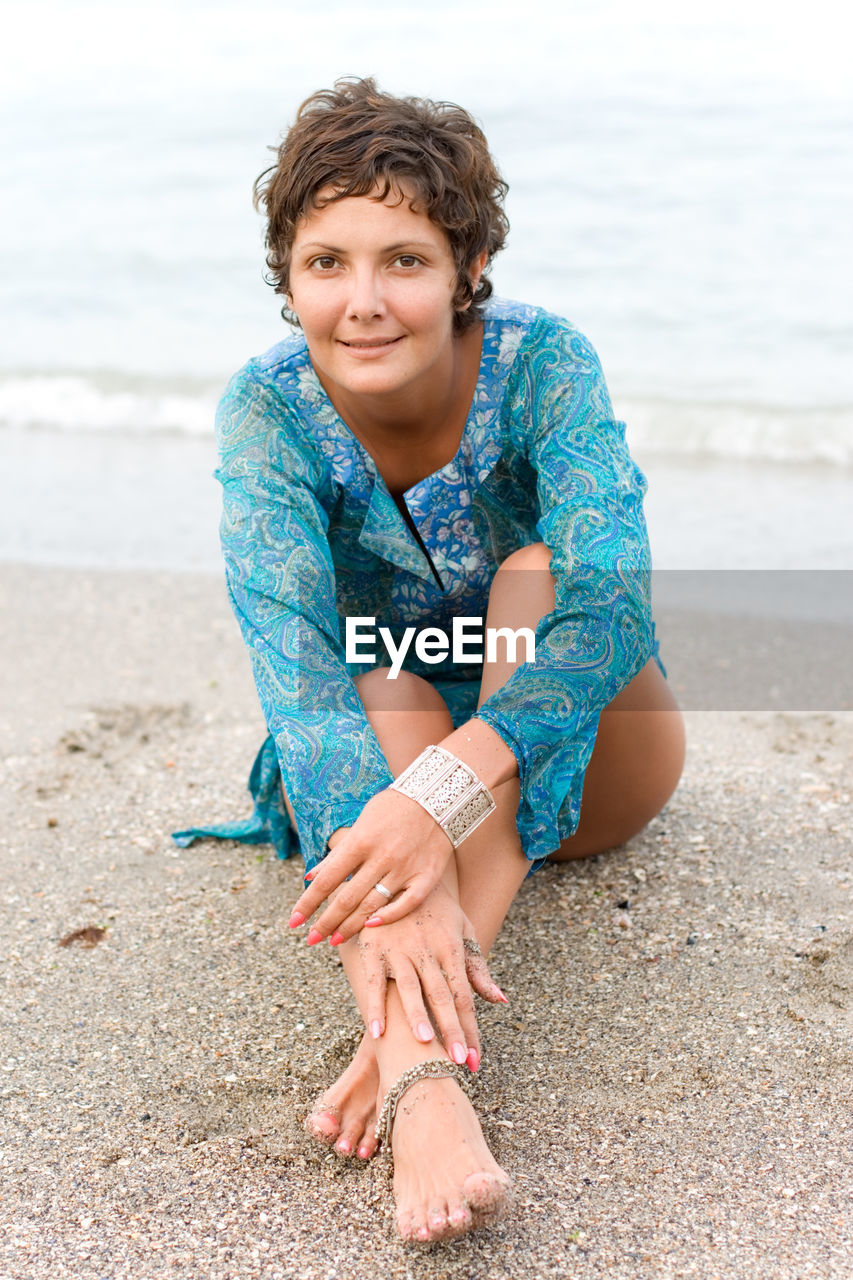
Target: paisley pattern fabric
{"x": 311, "y": 534}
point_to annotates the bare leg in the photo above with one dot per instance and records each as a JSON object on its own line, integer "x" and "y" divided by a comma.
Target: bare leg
{"x": 346, "y": 1113}
{"x": 640, "y": 749}
{"x": 441, "y": 1191}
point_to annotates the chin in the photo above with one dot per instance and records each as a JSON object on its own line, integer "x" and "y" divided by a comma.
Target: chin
{"x": 372, "y": 381}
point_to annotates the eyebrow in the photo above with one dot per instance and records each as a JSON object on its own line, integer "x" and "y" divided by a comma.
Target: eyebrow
{"x": 388, "y": 248}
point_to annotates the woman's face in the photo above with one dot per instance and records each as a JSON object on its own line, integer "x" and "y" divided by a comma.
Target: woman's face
{"x": 372, "y": 283}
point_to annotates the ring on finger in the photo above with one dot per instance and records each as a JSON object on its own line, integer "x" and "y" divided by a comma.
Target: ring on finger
{"x": 381, "y": 888}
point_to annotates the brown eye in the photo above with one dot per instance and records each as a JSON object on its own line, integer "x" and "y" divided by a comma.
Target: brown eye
{"x": 325, "y": 263}
{"x": 408, "y": 260}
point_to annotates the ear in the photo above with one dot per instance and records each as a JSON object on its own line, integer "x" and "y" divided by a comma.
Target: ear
{"x": 476, "y": 267}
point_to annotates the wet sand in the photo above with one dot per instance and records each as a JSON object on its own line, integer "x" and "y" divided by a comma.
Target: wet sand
{"x": 669, "y": 1086}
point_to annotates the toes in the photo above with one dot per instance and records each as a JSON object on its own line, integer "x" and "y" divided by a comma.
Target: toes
{"x": 486, "y": 1194}
{"x": 437, "y": 1221}
{"x": 413, "y": 1225}
{"x": 357, "y": 1138}
{"x": 425, "y": 1227}
{"x": 323, "y": 1124}
{"x": 368, "y": 1145}
{"x": 459, "y": 1219}
{"x": 406, "y": 1225}
{"x": 348, "y": 1142}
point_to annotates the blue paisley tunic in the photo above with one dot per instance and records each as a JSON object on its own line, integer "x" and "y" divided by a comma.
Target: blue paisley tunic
{"x": 311, "y": 534}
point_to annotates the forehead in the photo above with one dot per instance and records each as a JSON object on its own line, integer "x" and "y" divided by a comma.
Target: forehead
{"x": 361, "y": 218}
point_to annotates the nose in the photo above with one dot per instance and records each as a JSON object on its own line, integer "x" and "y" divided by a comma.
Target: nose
{"x": 366, "y": 300}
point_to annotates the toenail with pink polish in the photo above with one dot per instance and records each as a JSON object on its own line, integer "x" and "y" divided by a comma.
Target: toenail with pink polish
{"x": 458, "y": 1053}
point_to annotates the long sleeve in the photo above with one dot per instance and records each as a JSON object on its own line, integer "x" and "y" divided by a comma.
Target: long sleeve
{"x": 600, "y": 633}
{"x": 281, "y": 582}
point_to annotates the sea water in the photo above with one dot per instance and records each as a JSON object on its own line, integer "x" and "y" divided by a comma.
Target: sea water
{"x": 681, "y": 187}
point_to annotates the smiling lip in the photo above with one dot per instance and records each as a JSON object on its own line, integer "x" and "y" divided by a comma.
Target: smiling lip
{"x": 368, "y": 346}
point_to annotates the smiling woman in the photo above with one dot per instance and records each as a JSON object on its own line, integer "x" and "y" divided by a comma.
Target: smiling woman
{"x": 423, "y": 455}
{"x": 372, "y": 281}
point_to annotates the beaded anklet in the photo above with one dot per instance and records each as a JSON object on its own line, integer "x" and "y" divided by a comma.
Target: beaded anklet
{"x": 432, "y": 1069}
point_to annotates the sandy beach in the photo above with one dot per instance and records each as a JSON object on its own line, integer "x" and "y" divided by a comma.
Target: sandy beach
{"x": 669, "y": 1085}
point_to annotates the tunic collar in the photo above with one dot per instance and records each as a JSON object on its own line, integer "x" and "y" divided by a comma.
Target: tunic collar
{"x": 384, "y": 531}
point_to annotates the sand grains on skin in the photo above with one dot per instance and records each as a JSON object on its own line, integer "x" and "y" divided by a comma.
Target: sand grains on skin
{"x": 441, "y": 1190}
{"x": 344, "y": 1115}
{"x": 447, "y": 1186}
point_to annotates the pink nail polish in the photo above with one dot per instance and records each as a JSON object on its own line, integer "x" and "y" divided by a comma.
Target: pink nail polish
{"x": 296, "y": 919}
{"x": 364, "y": 1152}
{"x": 458, "y": 1054}
{"x": 376, "y": 1028}
{"x": 373, "y": 920}
{"x": 309, "y": 875}
{"x": 500, "y": 995}
{"x": 424, "y": 1032}
{"x": 314, "y": 936}
{"x": 336, "y": 939}
{"x": 473, "y": 1060}
{"x": 344, "y": 1146}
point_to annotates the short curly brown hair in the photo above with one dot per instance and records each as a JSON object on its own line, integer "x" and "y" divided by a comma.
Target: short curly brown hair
{"x": 360, "y": 140}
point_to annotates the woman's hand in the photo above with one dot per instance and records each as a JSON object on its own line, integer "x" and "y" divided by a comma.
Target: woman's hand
{"x": 434, "y": 973}
{"x": 395, "y": 843}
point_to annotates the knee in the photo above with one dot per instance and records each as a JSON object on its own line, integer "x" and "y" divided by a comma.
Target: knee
{"x": 522, "y": 590}
{"x": 406, "y": 692}
{"x": 534, "y": 556}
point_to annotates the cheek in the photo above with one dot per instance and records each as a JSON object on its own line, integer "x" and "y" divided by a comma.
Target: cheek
{"x": 433, "y": 310}
{"x": 315, "y": 308}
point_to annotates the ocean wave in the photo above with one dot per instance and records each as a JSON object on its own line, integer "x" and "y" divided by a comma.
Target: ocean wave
{"x": 747, "y": 432}
{"x": 113, "y": 402}
{"x": 107, "y": 402}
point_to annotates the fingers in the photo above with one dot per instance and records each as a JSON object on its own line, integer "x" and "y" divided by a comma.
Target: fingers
{"x": 377, "y": 990}
{"x": 359, "y": 903}
{"x": 426, "y": 990}
{"x": 406, "y": 900}
{"x": 411, "y": 997}
{"x": 348, "y": 909}
{"x": 463, "y": 1003}
{"x": 442, "y": 1004}
{"x": 476, "y": 967}
{"x": 326, "y": 877}
{"x": 481, "y": 980}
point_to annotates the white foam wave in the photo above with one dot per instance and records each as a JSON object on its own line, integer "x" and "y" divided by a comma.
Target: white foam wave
{"x": 116, "y": 403}
{"x": 749, "y": 432}
{"x": 80, "y": 402}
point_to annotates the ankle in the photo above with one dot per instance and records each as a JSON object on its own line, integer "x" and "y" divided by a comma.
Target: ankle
{"x": 393, "y": 1065}
{"x": 434, "y": 1077}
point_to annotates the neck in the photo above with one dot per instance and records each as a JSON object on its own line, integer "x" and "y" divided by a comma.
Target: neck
{"x": 416, "y": 415}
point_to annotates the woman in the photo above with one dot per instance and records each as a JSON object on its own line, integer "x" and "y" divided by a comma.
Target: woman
{"x": 417, "y": 456}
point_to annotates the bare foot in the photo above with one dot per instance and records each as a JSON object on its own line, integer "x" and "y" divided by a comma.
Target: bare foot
{"x": 446, "y": 1180}
{"x": 345, "y": 1115}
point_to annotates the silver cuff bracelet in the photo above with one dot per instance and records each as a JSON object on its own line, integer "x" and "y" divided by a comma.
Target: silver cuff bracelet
{"x": 449, "y": 790}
